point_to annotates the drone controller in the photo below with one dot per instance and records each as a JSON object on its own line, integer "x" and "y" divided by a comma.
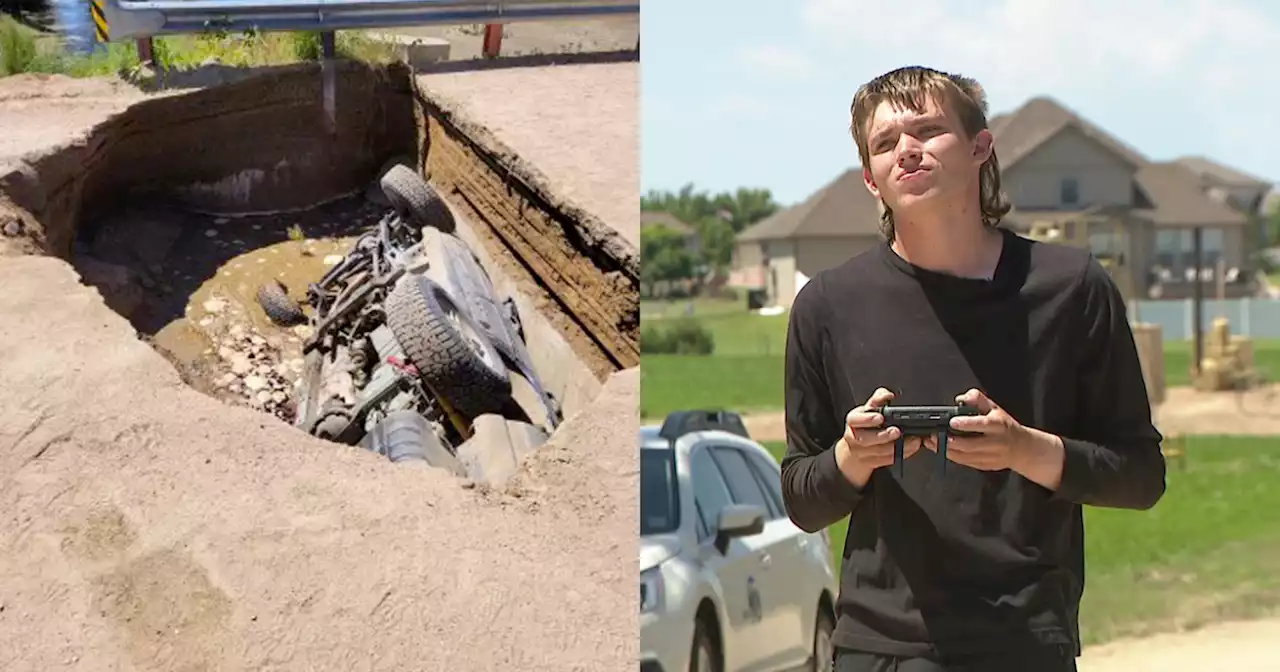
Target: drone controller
{"x": 924, "y": 421}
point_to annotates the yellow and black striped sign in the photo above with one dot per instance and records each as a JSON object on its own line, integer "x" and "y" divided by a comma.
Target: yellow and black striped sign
{"x": 99, "y": 21}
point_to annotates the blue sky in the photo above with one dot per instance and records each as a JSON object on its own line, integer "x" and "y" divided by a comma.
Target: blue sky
{"x": 754, "y": 93}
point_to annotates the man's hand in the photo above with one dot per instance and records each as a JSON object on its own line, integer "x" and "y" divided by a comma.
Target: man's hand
{"x": 866, "y": 446}
{"x": 1004, "y": 443}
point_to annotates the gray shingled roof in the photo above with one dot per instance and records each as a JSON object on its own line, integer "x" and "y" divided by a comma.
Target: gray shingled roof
{"x": 1178, "y": 200}
{"x": 650, "y": 218}
{"x": 844, "y": 207}
{"x": 1205, "y": 167}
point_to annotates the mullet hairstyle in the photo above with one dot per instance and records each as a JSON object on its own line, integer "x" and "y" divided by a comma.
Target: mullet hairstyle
{"x": 910, "y": 88}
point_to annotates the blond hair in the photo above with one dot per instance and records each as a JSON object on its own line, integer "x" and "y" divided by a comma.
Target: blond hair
{"x": 910, "y": 88}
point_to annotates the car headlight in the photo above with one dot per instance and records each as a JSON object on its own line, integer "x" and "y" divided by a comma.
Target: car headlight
{"x": 650, "y": 590}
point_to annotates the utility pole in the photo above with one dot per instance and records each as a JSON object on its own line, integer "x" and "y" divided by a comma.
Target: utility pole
{"x": 1197, "y": 300}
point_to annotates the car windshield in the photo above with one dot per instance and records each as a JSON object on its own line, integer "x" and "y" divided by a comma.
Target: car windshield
{"x": 659, "y": 496}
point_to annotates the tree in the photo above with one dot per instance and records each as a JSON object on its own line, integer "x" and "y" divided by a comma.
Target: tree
{"x": 665, "y": 257}
{"x": 717, "y": 218}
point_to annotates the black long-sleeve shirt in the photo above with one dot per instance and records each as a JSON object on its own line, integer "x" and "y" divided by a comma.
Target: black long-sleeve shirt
{"x": 970, "y": 561}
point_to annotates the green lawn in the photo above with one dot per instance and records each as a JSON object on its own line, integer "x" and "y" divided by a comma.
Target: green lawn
{"x": 1177, "y": 360}
{"x": 745, "y": 373}
{"x": 1209, "y": 550}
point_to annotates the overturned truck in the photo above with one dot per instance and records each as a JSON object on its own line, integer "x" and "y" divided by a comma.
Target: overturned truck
{"x": 412, "y": 353}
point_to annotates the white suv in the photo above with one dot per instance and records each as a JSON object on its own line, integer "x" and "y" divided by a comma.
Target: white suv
{"x": 727, "y": 582}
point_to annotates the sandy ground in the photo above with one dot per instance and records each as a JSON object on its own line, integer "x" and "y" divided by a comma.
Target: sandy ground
{"x": 41, "y": 111}
{"x": 1250, "y": 646}
{"x": 560, "y": 119}
{"x": 520, "y": 39}
{"x": 148, "y": 527}
{"x": 145, "y": 526}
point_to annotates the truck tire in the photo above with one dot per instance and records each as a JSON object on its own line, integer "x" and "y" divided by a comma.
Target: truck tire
{"x": 415, "y": 200}
{"x": 454, "y": 358}
{"x": 280, "y": 308}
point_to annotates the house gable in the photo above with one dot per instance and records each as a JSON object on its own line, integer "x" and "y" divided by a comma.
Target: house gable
{"x": 1070, "y": 170}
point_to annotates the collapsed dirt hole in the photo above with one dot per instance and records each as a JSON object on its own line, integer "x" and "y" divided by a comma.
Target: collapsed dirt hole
{"x": 188, "y": 283}
{"x": 183, "y": 207}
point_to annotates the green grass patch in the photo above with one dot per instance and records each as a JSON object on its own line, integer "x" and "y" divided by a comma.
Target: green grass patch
{"x": 1208, "y": 551}
{"x": 23, "y": 50}
{"x": 740, "y": 383}
{"x": 1177, "y": 360}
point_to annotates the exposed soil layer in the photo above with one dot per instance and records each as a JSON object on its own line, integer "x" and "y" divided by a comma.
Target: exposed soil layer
{"x": 568, "y": 254}
{"x": 227, "y": 166}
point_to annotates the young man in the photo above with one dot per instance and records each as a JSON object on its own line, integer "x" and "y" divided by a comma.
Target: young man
{"x": 981, "y": 567}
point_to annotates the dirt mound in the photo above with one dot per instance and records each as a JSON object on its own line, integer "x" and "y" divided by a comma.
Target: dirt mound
{"x": 147, "y": 526}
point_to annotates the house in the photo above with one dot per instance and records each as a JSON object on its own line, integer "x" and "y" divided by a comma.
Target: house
{"x": 1068, "y": 180}
{"x": 658, "y": 218}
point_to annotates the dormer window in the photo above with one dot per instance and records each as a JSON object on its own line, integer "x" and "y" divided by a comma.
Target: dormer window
{"x": 1069, "y": 191}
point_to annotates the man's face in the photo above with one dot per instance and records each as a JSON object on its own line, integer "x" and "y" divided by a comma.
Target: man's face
{"x": 922, "y": 160}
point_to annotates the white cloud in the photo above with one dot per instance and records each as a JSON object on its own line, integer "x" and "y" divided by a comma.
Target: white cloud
{"x": 734, "y": 107}
{"x": 1033, "y": 46}
{"x": 776, "y": 60}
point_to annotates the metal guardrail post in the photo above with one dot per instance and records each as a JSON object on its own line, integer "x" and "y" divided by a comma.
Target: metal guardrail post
{"x": 492, "y": 40}
{"x": 146, "y": 51}
{"x": 329, "y": 51}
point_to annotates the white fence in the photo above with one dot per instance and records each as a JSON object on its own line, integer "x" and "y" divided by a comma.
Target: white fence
{"x": 1256, "y": 318}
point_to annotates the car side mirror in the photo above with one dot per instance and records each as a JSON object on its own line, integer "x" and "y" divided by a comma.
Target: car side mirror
{"x": 738, "y": 520}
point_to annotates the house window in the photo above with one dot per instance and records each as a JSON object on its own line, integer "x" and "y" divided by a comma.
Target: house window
{"x": 1070, "y": 191}
{"x": 1175, "y": 248}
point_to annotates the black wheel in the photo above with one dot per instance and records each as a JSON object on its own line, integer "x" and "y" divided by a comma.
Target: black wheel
{"x": 824, "y": 652}
{"x": 415, "y": 200}
{"x": 703, "y": 657}
{"x": 280, "y": 308}
{"x": 451, "y": 353}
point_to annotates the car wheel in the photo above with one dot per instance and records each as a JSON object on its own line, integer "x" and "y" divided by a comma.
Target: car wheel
{"x": 280, "y": 308}
{"x": 703, "y": 657}
{"x": 824, "y": 652}
{"x": 415, "y": 200}
{"x": 453, "y": 357}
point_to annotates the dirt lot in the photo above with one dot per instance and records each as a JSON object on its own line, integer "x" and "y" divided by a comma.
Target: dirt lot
{"x": 148, "y": 526}
{"x": 1232, "y": 647}
{"x": 519, "y": 39}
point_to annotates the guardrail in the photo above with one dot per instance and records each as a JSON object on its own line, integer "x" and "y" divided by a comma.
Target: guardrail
{"x": 125, "y": 19}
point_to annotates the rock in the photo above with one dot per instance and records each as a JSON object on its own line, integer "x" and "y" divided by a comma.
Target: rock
{"x": 227, "y": 379}
{"x": 226, "y": 353}
{"x": 279, "y": 397}
{"x": 254, "y": 383}
{"x": 234, "y": 388}
{"x": 296, "y": 365}
{"x": 304, "y": 331}
{"x": 240, "y": 364}
{"x": 211, "y": 233}
{"x": 13, "y": 226}
{"x": 333, "y": 259}
{"x": 118, "y": 285}
{"x": 264, "y": 397}
{"x": 214, "y": 305}
{"x": 236, "y": 331}
{"x": 257, "y": 340}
